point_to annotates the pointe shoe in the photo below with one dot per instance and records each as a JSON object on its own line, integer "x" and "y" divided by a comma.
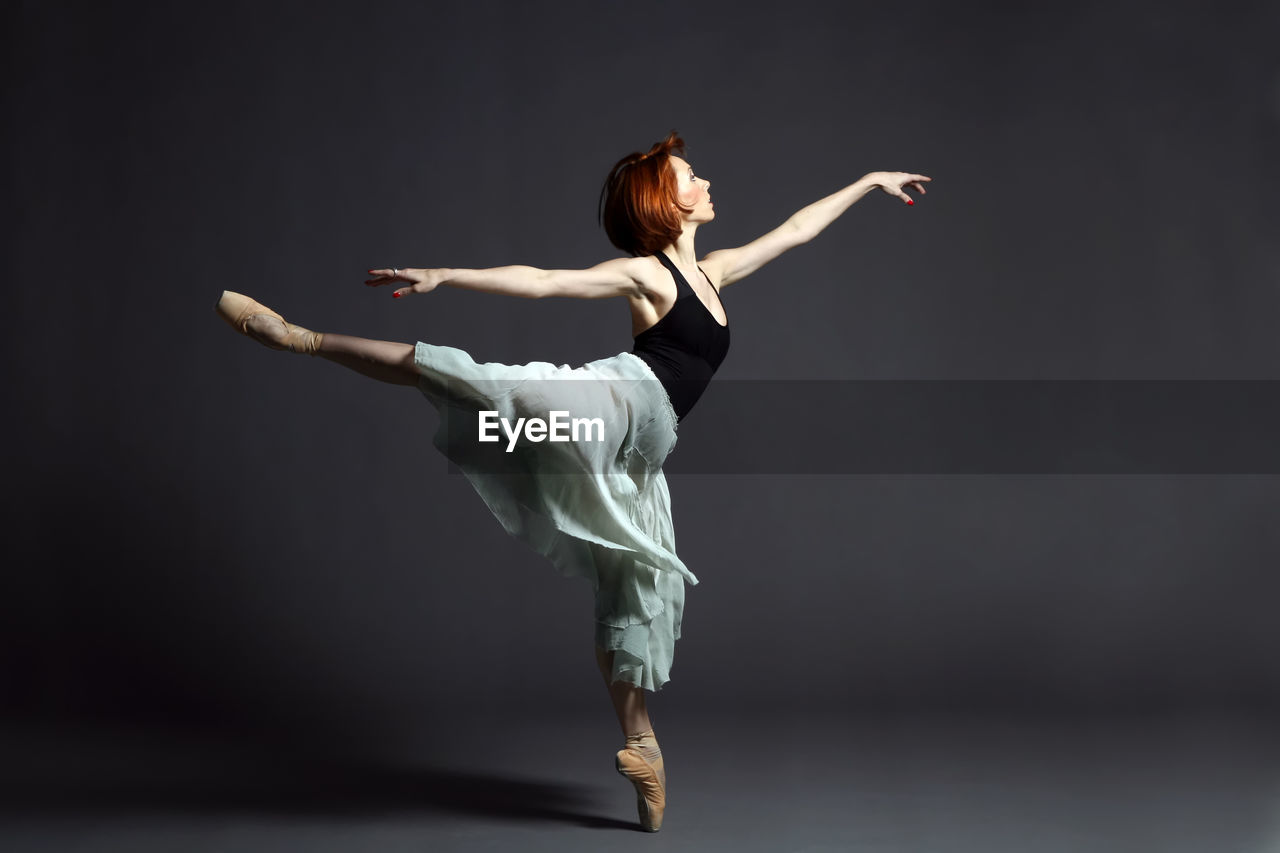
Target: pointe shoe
{"x": 237, "y": 309}
{"x": 641, "y": 763}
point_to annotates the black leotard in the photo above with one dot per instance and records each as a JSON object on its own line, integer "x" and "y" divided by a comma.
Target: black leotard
{"x": 686, "y": 346}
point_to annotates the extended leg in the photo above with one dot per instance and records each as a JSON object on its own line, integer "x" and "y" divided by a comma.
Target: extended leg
{"x": 382, "y": 360}
{"x": 385, "y": 361}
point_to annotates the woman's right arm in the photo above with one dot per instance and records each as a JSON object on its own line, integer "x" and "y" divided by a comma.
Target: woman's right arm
{"x": 618, "y": 277}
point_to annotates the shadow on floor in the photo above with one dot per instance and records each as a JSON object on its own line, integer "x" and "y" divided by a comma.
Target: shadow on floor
{"x": 58, "y": 783}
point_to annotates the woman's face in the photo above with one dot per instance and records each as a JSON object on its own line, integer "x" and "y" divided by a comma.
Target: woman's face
{"x": 694, "y": 192}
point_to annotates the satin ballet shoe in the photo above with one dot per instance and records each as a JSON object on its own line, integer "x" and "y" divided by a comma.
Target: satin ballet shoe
{"x": 641, "y": 763}
{"x": 237, "y": 309}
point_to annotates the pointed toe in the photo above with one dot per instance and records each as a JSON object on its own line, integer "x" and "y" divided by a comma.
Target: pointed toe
{"x": 650, "y": 781}
{"x": 238, "y": 309}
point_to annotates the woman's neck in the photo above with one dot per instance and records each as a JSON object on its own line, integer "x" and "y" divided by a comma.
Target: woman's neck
{"x": 681, "y": 251}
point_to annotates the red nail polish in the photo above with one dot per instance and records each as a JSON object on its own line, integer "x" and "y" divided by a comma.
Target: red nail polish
{"x": 395, "y": 296}
{"x": 909, "y": 201}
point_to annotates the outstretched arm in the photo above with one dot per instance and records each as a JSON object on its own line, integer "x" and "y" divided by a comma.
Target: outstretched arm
{"x": 807, "y": 223}
{"x": 617, "y": 277}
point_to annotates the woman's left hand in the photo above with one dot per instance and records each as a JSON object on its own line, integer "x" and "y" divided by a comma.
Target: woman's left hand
{"x": 893, "y": 182}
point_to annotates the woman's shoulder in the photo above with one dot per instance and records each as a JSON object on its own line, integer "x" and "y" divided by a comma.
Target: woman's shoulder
{"x": 651, "y": 275}
{"x": 712, "y": 265}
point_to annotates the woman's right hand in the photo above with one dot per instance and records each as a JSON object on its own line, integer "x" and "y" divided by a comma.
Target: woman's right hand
{"x": 419, "y": 281}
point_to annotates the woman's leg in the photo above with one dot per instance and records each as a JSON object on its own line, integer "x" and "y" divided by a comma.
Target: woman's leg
{"x": 628, "y": 700}
{"x": 382, "y": 360}
{"x": 640, "y": 761}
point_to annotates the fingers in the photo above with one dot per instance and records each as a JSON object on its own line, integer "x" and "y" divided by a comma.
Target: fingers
{"x": 916, "y": 182}
{"x": 381, "y": 277}
{"x": 415, "y": 279}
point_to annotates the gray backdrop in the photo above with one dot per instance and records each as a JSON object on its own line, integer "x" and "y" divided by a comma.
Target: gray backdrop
{"x": 198, "y": 528}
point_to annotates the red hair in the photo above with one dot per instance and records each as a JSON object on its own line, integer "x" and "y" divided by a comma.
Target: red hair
{"x": 636, "y": 202}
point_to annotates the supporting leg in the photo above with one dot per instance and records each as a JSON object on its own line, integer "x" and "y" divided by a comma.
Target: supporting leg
{"x": 628, "y": 700}
{"x": 640, "y": 761}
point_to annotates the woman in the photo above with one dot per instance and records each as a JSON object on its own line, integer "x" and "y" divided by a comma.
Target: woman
{"x": 595, "y": 504}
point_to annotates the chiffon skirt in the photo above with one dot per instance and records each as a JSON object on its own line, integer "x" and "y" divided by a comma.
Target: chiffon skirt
{"x": 596, "y": 505}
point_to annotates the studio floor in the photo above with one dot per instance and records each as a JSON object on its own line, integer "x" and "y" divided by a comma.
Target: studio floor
{"x": 780, "y": 783}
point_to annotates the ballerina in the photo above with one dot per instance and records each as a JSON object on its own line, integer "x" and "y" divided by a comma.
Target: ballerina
{"x": 598, "y": 507}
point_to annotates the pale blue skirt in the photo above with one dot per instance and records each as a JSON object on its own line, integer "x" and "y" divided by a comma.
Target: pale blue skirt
{"x": 597, "y": 507}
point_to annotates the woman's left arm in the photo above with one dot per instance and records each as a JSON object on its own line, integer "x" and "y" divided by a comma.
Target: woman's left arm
{"x": 807, "y": 223}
